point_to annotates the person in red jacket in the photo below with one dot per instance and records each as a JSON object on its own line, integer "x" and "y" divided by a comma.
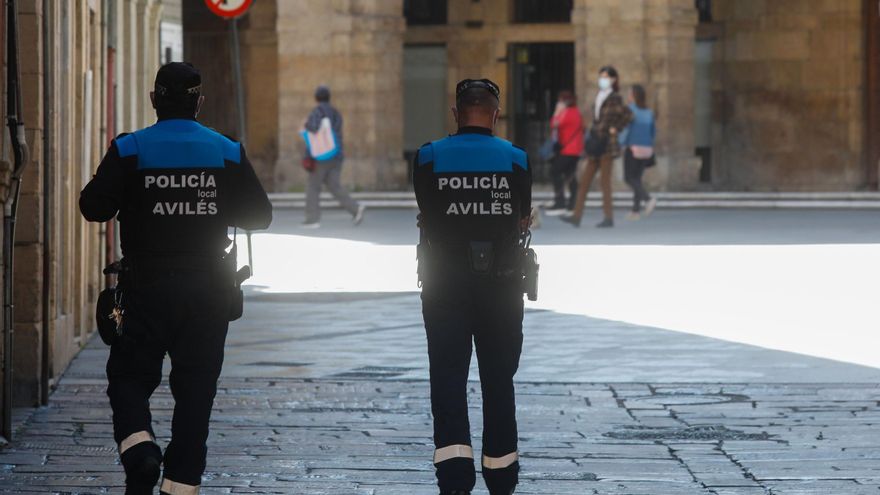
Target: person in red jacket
{"x": 568, "y": 126}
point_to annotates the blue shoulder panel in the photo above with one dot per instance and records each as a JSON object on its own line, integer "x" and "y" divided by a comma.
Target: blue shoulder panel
{"x": 520, "y": 157}
{"x": 426, "y": 154}
{"x": 472, "y": 153}
{"x": 184, "y": 144}
{"x": 231, "y": 149}
{"x": 126, "y": 145}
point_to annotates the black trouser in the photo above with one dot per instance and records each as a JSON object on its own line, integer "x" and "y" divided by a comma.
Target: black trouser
{"x": 182, "y": 312}
{"x": 459, "y": 309}
{"x": 633, "y": 169}
{"x": 563, "y": 170}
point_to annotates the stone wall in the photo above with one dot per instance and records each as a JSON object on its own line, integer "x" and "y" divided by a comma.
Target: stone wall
{"x": 650, "y": 42}
{"x": 788, "y": 80}
{"x": 58, "y": 256}
{"x": 356, "y": 47}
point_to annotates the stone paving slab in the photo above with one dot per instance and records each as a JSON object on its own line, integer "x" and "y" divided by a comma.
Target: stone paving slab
{"x": 368, "y": 436}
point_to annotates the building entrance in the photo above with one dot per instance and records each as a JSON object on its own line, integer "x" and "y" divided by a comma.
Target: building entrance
{"x": 873, "y": 94}
{"x": 539, "y": 71}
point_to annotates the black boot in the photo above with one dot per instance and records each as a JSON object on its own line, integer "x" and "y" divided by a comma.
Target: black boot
{"x": 142, "y": 468}
{"x": 502, "y": 481}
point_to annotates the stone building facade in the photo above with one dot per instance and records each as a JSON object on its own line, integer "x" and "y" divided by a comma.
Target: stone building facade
{"x": 789, "y": 94}
{"x": 86, "y": 68}
{"x": 750, "y": 94}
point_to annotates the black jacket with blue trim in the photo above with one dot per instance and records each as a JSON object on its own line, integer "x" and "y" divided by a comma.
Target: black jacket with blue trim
{"x": 175, "y": 187}
{"x": 472, "y": 186}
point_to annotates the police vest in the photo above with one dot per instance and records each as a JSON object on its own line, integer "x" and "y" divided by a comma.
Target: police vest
{"x": 180, "y": 196}
{"x": 472, "y": 186}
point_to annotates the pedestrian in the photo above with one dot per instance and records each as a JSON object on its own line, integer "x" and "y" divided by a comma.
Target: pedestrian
{"x": 638, "y": 141}
{"x": 175, "y": 187}
{"x": 327, "y": 172}
{"x": 568, "y": 126}
{"x": 474, "y": 195}
{"x": 610, "y": 115}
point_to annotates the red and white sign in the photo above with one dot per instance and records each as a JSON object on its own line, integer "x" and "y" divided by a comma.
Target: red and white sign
{"x": 229, "y": 9}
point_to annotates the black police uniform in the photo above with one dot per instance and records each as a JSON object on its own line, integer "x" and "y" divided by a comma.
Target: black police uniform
{"x": 175, "y": 187}
{"x": 473, "y": 192}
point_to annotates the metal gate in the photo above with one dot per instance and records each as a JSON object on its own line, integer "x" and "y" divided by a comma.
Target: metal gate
{"x": 539, "y": 71}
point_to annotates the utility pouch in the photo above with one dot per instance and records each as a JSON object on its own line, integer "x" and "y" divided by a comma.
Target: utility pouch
{"x": 108, "y": 308}
{"x": 105, "y": 315}
{"x": 482, "y": 255}
{"x": 530, "y": 269}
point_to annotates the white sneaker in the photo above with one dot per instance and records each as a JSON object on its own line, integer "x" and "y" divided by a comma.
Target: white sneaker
{"x": 310, "y": 225}
{"x": 650, "y": 206}
{"x": 555, "y": 212}
{"x": 359, "y": 216}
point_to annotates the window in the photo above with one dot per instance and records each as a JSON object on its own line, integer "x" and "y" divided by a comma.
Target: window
{"x": 705, "y": 9}
{"x": 535, "y": 11}
{"x": 424, "y": 12}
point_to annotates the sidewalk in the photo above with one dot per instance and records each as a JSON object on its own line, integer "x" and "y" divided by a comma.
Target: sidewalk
{"x": 325, "y": 391}
{"x": 339, "y": 405}
{"x": 623, "y": 199}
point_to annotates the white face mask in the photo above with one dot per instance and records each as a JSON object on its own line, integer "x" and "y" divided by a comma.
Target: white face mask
{"x": 604, "y": 83}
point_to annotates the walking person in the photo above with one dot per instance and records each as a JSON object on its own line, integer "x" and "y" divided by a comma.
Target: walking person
{"x": 568, "y": 126}
{"x": 327, "y": 172}
{"x": 474, "y": 194}
{"x": 610, "y": 115}
{"x": 638, "y": 142}
{"x": 175, "y": 187}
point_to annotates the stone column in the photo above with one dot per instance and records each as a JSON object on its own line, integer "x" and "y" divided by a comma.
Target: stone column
{"x": 650, "y": 42}
{"x": 357, "y": 48}
{"x": 29, "y": 243}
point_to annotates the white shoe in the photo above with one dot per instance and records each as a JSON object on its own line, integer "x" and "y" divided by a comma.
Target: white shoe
{"x": 310, "y": 225}
{"x": 650, "y": 206}
{"x": 555, "y": 212}
{"x": 633, "y": 216}
{"x": 359, "y": 216}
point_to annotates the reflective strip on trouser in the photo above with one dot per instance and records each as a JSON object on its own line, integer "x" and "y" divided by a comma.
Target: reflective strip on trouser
{"x": 134, "y": 439}
{"x": 175, "y": 488}
{"x": 500, "y": 462}
{"x": 452, "y": 452}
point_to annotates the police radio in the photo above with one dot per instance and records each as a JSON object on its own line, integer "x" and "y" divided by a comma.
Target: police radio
{"x": 530, "y": 267}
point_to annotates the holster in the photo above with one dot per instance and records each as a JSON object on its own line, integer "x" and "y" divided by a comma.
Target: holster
{"x": 233, "y": 278}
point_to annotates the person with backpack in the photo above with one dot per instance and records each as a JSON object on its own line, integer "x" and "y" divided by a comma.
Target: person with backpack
{"x": 568, "y": 127}
{"x": 325, "y": 166}
{"x": 638, "y": 142}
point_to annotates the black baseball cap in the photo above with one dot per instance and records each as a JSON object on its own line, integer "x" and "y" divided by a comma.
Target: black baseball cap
{"x": 178, "y": 79}
{"x": 486, "y": 84}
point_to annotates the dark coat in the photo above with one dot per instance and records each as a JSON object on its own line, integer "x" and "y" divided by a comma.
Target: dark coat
{"x": 614, "y": 114}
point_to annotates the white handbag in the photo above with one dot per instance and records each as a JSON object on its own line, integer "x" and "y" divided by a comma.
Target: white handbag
{"x": 321, "y": 144}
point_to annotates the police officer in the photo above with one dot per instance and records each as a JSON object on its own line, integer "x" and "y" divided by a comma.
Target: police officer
{"x": 474, "y": 195}
{"x": 175, "y": 187}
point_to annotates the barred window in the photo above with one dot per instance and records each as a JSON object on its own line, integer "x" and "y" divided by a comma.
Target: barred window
{"x": 535, "y": 11}
{"x": 425, "y": 12}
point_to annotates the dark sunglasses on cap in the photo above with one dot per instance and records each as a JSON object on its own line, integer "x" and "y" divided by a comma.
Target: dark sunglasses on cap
{"x": 486, "y": 84}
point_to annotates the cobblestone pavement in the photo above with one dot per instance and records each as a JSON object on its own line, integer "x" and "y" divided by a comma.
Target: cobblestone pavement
{"x": 327, "y": 394}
